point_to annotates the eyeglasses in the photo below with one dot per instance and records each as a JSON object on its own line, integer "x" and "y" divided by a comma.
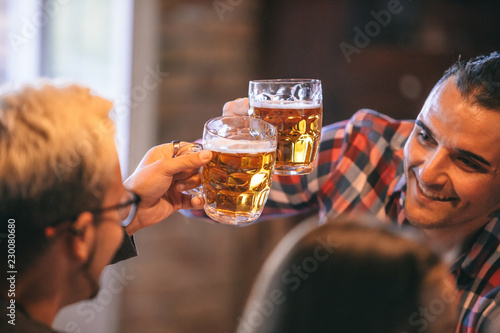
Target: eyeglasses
{"x": 126, "y": 209}
{"x": 126, "y": 212}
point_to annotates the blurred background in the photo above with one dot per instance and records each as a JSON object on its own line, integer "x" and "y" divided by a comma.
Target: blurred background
{"x": 171, "y": 65}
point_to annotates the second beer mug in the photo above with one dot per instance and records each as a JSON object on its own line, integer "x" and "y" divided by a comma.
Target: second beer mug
{"x": 295, "y": 107}
{"x": 237, "y": 180}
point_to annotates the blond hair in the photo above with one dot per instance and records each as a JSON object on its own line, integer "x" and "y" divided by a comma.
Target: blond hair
{"x": 55, "y": 141}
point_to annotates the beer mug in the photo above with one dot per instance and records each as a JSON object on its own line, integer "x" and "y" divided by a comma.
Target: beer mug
{"x": 236, "y": 182}
{"x": 295, "y": 107}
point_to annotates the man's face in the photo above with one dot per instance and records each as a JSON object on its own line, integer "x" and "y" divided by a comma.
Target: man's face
{"x": 452, "y": 161}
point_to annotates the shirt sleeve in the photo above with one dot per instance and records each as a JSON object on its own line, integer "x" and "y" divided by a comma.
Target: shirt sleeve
{"x": 292, "y": 195}
{"x": 358, "y": 160}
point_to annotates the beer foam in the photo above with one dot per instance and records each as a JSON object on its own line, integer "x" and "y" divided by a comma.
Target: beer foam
{"x": 225, "y": 145}
{"x": 285, "y": 104}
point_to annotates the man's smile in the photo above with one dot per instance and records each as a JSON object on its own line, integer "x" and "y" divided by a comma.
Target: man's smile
{"x": 432, "y": 195}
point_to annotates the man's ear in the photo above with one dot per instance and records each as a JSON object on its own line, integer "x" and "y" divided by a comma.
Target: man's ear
{"x": 82, "y": 240}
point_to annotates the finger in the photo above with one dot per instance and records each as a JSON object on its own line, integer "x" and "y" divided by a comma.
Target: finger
{"x": 189, "y": 202}
{"x": 197, "y": 202}
{"x": 237, "y": 107}
{"x": 189, "y": 183}
{"x": 185, "y": 163}
{"x": 186, "y": 175}
{"x": 227, "y": 109}
{"x": 159, "y": 152}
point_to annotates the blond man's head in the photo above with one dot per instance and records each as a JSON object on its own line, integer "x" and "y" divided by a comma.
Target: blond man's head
{"x": 55, "y": 145}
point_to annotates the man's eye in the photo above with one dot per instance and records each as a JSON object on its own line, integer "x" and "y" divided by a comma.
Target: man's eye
{"x": 471, "y": 165}
{"x": 423, "y": 136}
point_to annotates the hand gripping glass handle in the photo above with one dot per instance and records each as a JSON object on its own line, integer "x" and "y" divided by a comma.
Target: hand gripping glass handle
{"x": 190, "y": 148}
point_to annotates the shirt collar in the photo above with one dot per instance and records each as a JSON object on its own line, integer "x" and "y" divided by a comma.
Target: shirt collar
{"x": 477, "y": 252}
{"x": 398, "y": 198}
{"x": 474, "y": 253}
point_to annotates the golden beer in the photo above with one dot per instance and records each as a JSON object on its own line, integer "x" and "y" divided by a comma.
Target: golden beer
{"x": 237, "y": 180}
{"x": 299, "y": 133}
{"x": 295, "y": 108}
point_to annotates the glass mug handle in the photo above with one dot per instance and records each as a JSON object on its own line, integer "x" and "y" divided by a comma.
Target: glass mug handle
{"x": 186, "y": 149}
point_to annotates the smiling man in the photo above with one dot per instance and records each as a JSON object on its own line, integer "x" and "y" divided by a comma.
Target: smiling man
{"x": 440, "y": 174}
{"x": 452, "y": 161}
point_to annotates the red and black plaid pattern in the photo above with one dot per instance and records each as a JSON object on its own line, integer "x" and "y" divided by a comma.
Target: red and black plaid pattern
{"x": 359, "y": 164}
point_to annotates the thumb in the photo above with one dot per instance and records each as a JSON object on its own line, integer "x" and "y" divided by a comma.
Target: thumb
{"x": 237, "y": 107}
{"x": 186, "y": 162}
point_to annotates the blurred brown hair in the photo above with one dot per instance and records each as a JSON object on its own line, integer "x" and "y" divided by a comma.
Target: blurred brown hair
{"x": 344, "y": 276}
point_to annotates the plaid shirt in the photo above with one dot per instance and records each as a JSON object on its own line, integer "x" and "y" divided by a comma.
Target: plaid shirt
{"x": 360, "y": 170}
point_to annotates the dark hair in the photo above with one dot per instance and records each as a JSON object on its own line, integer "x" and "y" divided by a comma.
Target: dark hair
{"x": 478, "y": 79}
{"x": 344, "y": 276}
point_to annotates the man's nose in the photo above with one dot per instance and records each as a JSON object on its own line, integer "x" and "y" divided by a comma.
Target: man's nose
{"x": 434, "y": 168}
